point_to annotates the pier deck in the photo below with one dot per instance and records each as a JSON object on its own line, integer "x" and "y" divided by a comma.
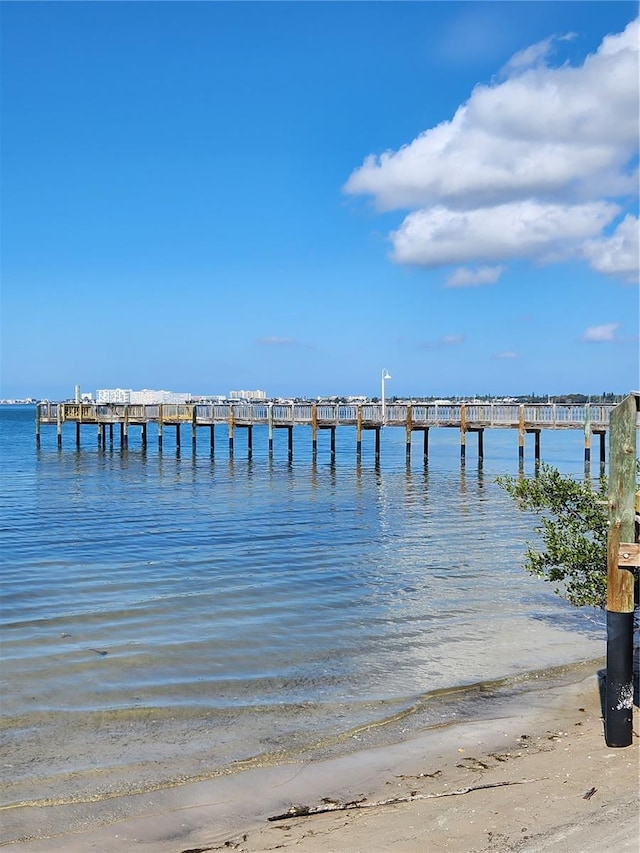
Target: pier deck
{"x": 413, "y": 417}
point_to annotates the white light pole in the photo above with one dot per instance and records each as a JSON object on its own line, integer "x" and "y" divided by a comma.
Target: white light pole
{"x": 385, "y": 375}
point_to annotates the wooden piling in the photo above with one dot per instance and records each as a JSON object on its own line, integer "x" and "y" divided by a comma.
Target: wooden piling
{"x": 463, "y": 431}
{"x": 425, "y": 446}
{"x": 38, "y": 427}
{"x": 536, "y": 448}
{"x": 270, "y": 426}
{"x": 603, "y": 443}
{"x": 59, "y": 425}
{"x": 212, "y": 439}
{"x": 290, "y": 442}
{"x": 160, "y": 423}
{"x": 480, "y": 445}
{"x": 409, "y": 428}
{"x": 314, "y": 430}
{"x": 78, "y": 435}
{"x": 521, "y": 435}
{"x": 621, "y": 547}
{"x": 230, "y": 425}
{"x": 249, "y": 441}
{"x": 194, "y": 429}
{"x": 178, "y": 437}
{"x": 587, "y": 434}
{"x": 333, "y": 443}
{"x": 124, "y": 443}
{"x": 143, "y": 436}
{"x": 377, "y": 450}
{"x": 110, "y": 436}
{"x": 359, "y": 433}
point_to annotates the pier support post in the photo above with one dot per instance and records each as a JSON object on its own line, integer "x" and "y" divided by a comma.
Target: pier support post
{"x": 425, "y": 446}
{"x": 359, "y": 433}
{"x": 110, "y": 436}
{"x": 333, "y": 444}
{"x": 143, "y": 436}
{"x": 314, "y": 431}
{"x": 124, "y": 435}
{"x": 603, "y": 456}
{"x": 463, "y": 432}
{"x": 59, "y": 425}
{"x": 290, "y": 442}
{"x": 480, "y": 445}
{"x": 100, "y": 436}
{"x": 212, "y": 439}
{"x": 194, "y": 429}
{"x": 230, "y": 423}
{"x": 77, "y": 435}
{"x": 377, "y": 450}
{"x": 536, "y": 453}
{"x": 409, "y": 427}
{"x": 178, "y": 437}
{"x": 38, "y": 425}
{"x": 587, "y": 434}
{"x": 270, "y": 424}
{"x": 249, "y": 441}
{"x": 620, "y": 580}
{"x": 521, "y": 436}
{"x": 160, "y": 420}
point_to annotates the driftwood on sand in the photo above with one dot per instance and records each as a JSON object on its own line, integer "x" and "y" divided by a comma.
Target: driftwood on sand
{"x": 329, "y": 805}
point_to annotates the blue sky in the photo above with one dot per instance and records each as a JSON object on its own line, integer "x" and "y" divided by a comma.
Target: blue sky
{"x": 292, "y": 196}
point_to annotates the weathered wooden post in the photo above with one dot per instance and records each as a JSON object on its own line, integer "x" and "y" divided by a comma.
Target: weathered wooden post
{"x": 425, "y": 446}
{"x": 587, "y": 435}
{"x": 270, "y": 423}
{"x": 290, "y": 443}
{"x": 409, "y": 425}
{"x": 359, "y": 433}
{"x": 212, "y": 439}
{"x": 333, "y": 443}
{"x": 194, "y": 429}
{"x": 314, "y": 430}
{"x": 623, "y": 554}
{"x": 463, "y": 431}
{"x": 38, "y": 425}
{"x": 59, "y": 419}
{"x": 521, "y": 436}
{"x": 160, "y": 420}
{"x": 249, "y": 442}
{"x": 230, "y": 422}
{"x": 77, "y": 435}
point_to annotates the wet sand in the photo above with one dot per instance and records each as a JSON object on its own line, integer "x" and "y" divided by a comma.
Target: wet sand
{"x": 537, "y": 776}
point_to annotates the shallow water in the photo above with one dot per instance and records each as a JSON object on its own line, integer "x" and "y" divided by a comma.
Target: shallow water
{"x": 167, "y": 616}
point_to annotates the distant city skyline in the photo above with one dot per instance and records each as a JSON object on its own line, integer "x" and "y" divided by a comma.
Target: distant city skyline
{"x": 294, "y": 196}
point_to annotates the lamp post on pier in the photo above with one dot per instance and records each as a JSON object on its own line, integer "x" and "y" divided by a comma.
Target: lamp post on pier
{"x": 385, "y": 375}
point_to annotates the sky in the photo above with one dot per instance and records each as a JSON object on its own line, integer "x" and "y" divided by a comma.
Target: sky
{"x": 293, "y": 197}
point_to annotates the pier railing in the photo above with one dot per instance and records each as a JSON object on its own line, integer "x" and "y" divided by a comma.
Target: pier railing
{"x": 473, "y": 415}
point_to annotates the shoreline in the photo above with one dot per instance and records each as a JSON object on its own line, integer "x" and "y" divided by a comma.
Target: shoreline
{"x": 528, "y": 765}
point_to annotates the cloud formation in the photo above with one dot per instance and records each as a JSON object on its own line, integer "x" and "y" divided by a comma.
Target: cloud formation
{"x": 465, "y": 277}
{"x": 598, "y": 334}
{"x": 540, "y": 164}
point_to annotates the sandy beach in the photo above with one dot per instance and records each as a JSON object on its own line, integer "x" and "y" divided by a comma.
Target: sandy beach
{"x": 536, "y": 777}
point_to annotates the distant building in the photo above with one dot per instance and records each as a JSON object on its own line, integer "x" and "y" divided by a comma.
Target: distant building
{"x": 146, "y": 397}
{"x": 247, "y": 395}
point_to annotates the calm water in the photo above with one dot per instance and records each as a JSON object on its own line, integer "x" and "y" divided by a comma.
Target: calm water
{"x": 168, "y": 616}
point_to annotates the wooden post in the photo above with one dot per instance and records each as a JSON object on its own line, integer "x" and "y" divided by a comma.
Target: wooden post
{"x": 178, "y": 437}
{"x": 409, "y": 426}
{"x": 521, "y": 435}
{"x": 212, "y": 438}
{"x": 160, "y": 419}
{"x": 290, "y": 442}
{"x": 59, "y": 420}
{"x": 144, "y": 435}
{"x": 249, "y": 441}
{"x": 587, "y": 434}
{"x": 270, "y": 423}
{"x": 536, "y": 451}
{"x": 78, "y": 435}
{"x": 230, "y": 430}
{"x": 463, "y": 431}
{"x": 620, "y": 581}
{"x": 359, "y": 433}
{"x": 194, "y": 429}
{"x": 100, "y": 436}
{"x": 110, "y": 436}
{"x": 480, "y": 445}
{"x": 333, "y": 443}
{"x": 38, "y": 425}
{"x": 425, "y": 446}
{"x": 377, "y": 451}
{"x": 603, "y": 456}
{"x": 314, "y": 430}
{"x": 124, "y": 436}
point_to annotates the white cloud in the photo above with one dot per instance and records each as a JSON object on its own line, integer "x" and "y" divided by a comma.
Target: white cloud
{"x": 465, "y": 277}
{"x": 438, "y": 236}
{"x": 619, "y": 254}
{"x": 275, "y": 341}
{"x": 555, "y": 145}
{"x": 534, "y": 54}
{"x": 507, "y": 355}
{"x": 598, "y": 334}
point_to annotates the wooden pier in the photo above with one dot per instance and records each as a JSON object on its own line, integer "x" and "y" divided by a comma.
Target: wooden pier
{"x": 467, "y": 418}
